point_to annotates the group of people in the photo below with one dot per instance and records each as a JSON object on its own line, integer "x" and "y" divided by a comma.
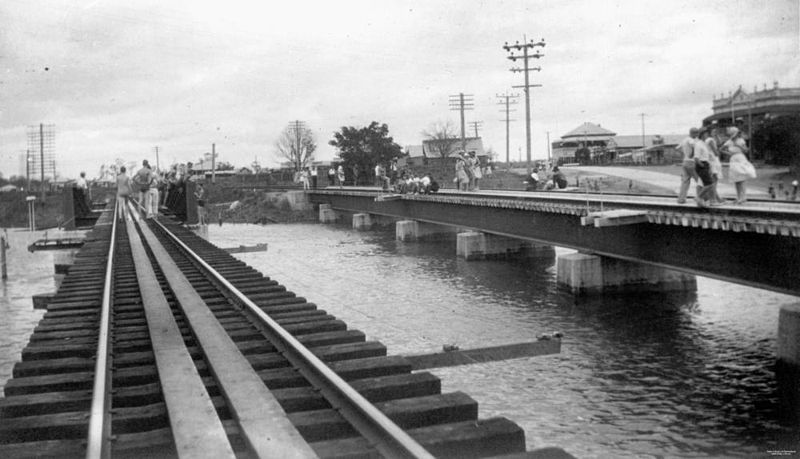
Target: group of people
{"x": 782, "y": 193}
{"x": 551, "y": 178}
{"x": 702, "y": 162}
{"x": 154, "y": 189}
{"x": 469, "y": 171}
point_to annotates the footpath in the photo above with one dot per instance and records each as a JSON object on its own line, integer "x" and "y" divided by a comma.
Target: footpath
{"x": 662, "y": 180}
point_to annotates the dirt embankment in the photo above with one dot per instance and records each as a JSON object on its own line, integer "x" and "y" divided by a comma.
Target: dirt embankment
{"x": 255, "y": 207}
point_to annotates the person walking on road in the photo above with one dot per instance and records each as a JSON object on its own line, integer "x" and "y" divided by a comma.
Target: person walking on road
{"x": 688, "y": 170}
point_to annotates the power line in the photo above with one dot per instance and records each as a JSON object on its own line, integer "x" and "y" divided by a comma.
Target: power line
{"x": 525, "y": 47}
{"x": 509, "y": 99}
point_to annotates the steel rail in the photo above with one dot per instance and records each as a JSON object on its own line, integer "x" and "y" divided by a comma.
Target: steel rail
{"x": 387, "y": 437}
{"x": 99, "y": 435}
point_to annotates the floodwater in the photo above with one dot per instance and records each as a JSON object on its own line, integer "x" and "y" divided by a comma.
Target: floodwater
{"x": 656, "y": 375}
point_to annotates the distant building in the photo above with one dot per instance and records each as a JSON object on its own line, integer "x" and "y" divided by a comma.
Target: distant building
{"x": 590, "y": 143}
{"x": 748, "y": 110}
{"x": 588, "y": 140}
{"x": 420, "y": 155}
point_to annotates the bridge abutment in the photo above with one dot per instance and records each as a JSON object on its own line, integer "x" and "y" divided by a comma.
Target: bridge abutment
{"x": 475, "y": 245}
{"x": 585, "y": 273}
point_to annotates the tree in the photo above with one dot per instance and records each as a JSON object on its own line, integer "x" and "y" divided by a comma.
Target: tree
{"x": 442, "y": 140}
{"x": 778, "y": 140}
{"x": 361, "y": 149}
{"x": 224, "y": 166}
{"x": 296, "y": 145}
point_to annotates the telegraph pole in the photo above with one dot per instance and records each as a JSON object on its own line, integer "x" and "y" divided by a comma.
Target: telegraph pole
{"x": 213, "y": 163}
{"x": 476, "y": 125}
{"x": 28, "y": 160}
{"x": 548, "y": 148}
{"x": 297, "y": 126}
{"x": 525, "y": 47}
{"x": 462, "y": 102}
{"x": 41, "y": 156}
{"x": 643, "y": 142}
{"x": 510, "y": 99}
{"x": 158, "y": 164}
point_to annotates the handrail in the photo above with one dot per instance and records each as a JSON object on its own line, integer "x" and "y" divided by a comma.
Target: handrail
{"x": 382, "y": 432}
{"x": 97, "y": 445}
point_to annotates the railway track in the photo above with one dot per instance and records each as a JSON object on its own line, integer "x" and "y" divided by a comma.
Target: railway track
{"x": 206, "y": 357}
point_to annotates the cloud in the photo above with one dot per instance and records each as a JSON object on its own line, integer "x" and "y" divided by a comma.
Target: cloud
{"x": 118, "y": 79}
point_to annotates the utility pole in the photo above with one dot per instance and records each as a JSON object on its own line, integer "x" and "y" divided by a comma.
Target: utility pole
{"x": 158, "y": 164}
{"x": 525, "y": 47}
{"x": 297, "y": 126}
{"x": 476, "y": 125}
{"x": 213, "y": 163}
{"x": 548, "y": 147}
{"x": 41, "y": 156}
{"x": 644, "y": 145}
{"x": 462, "y": 102}
{"x": 28, "y": 169}
{"x": 510, "y": 99}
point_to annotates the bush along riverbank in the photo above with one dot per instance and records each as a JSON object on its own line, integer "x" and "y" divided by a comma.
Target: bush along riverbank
{"x": 260, "y": 208}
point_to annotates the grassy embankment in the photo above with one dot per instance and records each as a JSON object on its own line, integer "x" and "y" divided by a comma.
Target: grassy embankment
{"x": 14, "y": 210}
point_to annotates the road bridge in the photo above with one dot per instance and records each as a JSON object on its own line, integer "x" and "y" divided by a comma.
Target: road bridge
{"x": 756, "y": 244}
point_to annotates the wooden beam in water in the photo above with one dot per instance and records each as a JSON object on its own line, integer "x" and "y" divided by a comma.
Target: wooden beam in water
{"x": 450, "y": 358}
{"x": 244, "y": 249}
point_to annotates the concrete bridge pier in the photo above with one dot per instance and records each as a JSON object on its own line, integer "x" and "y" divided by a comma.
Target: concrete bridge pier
{"x": 585, "y": 273}
{"x": 362, "y": 222}
{"x": 413, "y": 230}
{"x": 787, "y": 369}
{"x": 475, "y": 245}
{"x": 326, "y": 214}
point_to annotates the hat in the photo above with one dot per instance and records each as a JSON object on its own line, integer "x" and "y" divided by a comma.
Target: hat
{"x": 694, "y": 130}
{"x": 732, "y": 131}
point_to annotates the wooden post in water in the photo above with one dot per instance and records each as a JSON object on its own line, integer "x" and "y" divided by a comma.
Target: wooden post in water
{"x": 3, "y": 271}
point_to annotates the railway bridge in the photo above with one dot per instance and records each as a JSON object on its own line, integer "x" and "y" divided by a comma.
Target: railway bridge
{"x": 159, "y": 344}
{"x": 756, "y": 244}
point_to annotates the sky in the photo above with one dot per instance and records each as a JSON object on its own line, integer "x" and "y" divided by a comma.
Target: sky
{"x": 118, "y": 78}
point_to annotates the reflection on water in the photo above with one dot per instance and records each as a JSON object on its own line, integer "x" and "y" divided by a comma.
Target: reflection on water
{"x": 645, "y": 375}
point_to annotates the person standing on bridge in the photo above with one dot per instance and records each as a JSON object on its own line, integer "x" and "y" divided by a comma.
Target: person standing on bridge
{"x": 123, "y": 192}
{"x": 340, "y": 175}
{"x": 702, "y": 165}
{"x": 142, "y": 180}
{"x": 152, "y": 199}
{"x": 710, "y": 139}
{"x": 740, "y": 168}
{"x": 688, "y": 171}
{"x": 314, "y": 175}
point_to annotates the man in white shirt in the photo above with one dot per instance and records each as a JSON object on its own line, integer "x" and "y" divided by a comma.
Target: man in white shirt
{"x": 688, "y": 171}
{"x": 702, "y": 165}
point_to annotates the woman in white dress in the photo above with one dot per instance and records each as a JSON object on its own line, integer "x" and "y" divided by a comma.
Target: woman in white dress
{"x": 740, "y": 168}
